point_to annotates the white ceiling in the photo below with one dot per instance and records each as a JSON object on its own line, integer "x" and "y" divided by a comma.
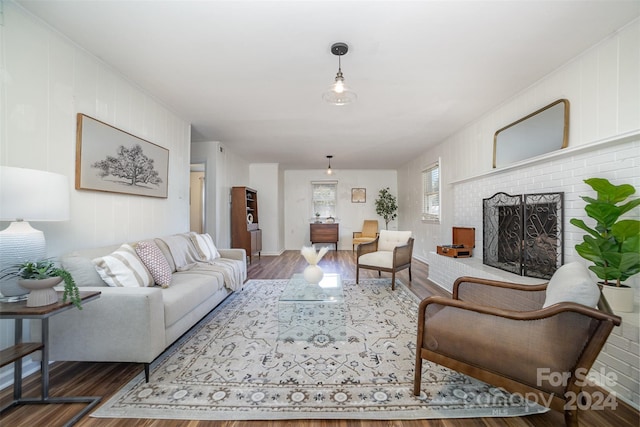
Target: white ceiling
{"x": 251, "y": 73}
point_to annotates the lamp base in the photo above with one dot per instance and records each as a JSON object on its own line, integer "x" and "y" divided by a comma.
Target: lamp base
{"x": 18, "y": 243}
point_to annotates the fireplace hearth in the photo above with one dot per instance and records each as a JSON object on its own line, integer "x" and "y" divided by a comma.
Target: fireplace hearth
{"x": 523, "y": 234}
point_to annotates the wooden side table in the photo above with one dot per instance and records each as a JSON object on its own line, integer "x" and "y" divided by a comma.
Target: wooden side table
{"x": 14, "y": 354}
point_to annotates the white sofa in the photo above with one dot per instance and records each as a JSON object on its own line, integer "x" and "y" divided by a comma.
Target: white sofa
{"x": 136, "y": 324}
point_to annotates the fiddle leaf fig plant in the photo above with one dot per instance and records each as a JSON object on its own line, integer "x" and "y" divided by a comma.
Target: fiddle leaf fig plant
{"x": 386, "y": 206}
{"x": 613, "y": 244}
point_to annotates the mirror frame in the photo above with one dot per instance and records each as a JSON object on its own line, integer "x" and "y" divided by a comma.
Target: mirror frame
{"x": 565, "y": 132}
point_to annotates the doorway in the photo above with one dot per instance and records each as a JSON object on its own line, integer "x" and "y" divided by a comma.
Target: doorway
{"x": 197, "y": 200}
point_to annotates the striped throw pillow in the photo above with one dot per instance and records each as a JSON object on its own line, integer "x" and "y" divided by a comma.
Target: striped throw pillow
{"x": 123, "y": 268}
{"x": 205, "y": 246}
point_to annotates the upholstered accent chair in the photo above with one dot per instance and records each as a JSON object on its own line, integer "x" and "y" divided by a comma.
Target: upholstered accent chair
{"x": 390, "y": 251}
{"x": 519, "y": 337}
{"x": 369, "y": 233}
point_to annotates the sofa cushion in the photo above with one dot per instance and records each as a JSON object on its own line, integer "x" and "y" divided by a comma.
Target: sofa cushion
{"x": 388, "y": 239}
{"x": 205, "y": 246}
{"x": 572, "y": 283}
{"x": 123, "y": 268}
{"x": 187, "y": 291}
{"x": 82, "y": 269}
{"x": 156, "y": 263}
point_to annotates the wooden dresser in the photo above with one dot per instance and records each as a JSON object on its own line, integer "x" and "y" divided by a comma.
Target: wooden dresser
{"x": 324, "y": 233}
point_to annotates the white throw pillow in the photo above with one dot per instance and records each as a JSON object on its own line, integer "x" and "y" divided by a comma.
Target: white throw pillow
{"x": 123, "y": 268}
{"x": 388, "y": 239}
{"x": 205, "y": 246}
{"x": 572, "y": 283}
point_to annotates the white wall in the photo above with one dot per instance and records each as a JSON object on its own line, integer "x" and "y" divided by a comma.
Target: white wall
{"x": 46, "y": 80}
{"x": 224, "y": 170}
{"x": 603, "y": 87}
{"x": 350, "y": 216}
{"x": 265, "y": 179}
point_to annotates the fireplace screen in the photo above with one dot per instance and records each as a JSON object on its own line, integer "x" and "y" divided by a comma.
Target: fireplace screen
{"x": 524, "y": 234}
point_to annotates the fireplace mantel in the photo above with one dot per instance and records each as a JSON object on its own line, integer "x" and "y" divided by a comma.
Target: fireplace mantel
{"x": 565, "y": 152}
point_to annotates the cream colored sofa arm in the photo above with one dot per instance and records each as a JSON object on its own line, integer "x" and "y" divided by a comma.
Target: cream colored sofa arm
{"x": 122, "y": 325}
{"x": 239, "y": 254}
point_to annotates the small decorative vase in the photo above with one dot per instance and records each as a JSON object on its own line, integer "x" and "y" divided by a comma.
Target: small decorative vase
{"x": 313, "y": 274}
{"x": 42, "y": 292}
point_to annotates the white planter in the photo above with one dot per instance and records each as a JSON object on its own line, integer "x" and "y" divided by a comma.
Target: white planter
{"x": 42, "y": 292}
{"x": 619, "y": 298}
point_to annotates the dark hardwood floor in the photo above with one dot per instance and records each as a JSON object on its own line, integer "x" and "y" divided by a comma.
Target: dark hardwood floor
{"x": 105, "y": 379}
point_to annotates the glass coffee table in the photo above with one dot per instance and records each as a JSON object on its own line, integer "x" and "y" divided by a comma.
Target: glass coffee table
{"x": 310, "y": 312}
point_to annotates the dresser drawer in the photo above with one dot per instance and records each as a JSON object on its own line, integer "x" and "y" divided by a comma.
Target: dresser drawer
{"x": 324, "y": 233}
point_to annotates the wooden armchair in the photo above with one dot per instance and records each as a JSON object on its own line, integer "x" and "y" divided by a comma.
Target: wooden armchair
{"x": 391, "y": 251}
{"x": 499, "y": 333}
{"x": 368, "y": 234}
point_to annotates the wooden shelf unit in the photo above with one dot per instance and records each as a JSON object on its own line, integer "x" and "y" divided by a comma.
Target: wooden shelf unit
{"x": 245, "y": 221}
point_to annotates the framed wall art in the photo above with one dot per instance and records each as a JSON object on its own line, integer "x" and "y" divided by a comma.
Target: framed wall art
{"x": 109, "y": 159}
{"x": 358, "y": 195}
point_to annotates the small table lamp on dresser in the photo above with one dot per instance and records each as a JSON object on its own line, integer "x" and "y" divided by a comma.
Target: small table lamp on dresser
{"x": 28, "y": 195}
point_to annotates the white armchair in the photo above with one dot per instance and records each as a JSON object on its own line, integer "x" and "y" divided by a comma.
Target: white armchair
{"x": 391, "y": 251}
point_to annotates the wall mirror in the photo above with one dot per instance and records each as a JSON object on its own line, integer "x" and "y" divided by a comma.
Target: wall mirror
{"x": 538, "y": 133}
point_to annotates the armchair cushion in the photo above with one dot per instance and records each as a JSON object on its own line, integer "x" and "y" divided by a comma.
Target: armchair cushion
{"x": 390, "y": 239}
{"x": 378, "y": 259}
{"x": 572, "y": 283}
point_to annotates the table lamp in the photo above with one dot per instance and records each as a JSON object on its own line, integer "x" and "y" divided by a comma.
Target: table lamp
{"x": 28, "y": 195}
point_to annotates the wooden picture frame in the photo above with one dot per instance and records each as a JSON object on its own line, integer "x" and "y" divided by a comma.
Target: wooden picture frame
{"x": 105, "y": 156}
{"x": 358, "y": 195}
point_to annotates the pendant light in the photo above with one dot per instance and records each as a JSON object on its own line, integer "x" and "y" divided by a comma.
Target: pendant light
{"x": 339, "y": 93}
{"x": 329, "y": 171}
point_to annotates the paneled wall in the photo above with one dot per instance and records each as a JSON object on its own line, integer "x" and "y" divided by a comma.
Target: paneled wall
{"x": 46, "y": 80}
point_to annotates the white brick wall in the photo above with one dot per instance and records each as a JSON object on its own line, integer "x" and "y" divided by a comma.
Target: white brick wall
{"x": 618, "y": 162}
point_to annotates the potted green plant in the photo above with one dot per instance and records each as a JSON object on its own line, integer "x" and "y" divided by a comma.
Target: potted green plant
{"x": 40, "y": 277}
{"x": 613, "y": 244}
{"x": 386, "y": 206}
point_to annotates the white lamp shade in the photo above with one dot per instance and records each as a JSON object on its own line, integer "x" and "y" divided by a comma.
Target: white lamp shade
{"x": 33, "y": 195}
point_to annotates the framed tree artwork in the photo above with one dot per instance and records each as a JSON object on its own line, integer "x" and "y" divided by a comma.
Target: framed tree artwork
{"x": 109, "y": 159}
{"x": 358, "y": 195}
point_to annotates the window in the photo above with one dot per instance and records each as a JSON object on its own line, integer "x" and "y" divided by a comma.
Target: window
{"x": 324, "y": 198}
{"x": 431, "y": 193}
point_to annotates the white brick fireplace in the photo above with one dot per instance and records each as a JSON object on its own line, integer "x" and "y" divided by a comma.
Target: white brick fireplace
{"x": 617, "y": 160}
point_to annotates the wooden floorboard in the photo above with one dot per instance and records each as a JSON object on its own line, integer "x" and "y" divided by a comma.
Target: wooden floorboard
{"x": 105, "y": 379}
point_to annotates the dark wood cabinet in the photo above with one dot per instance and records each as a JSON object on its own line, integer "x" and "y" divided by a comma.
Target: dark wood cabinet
{"x": 245, "y": 221}
{"x": 324, "y": 233}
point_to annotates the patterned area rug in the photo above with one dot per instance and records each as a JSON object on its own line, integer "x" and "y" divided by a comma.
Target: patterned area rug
{"x": 233, "y": 366}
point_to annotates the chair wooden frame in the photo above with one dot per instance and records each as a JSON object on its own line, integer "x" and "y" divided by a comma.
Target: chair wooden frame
{"x": 402, "y": 255}
{"x": 602, "y": 321}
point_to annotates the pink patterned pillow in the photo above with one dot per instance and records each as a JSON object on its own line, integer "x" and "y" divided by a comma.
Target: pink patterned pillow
{"x": 156, "y": 263}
